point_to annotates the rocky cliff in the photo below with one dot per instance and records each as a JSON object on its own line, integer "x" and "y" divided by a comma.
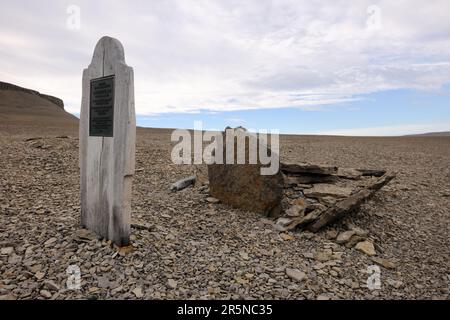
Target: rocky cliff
{"x": 12, "y": 87}
{"x": 25, "y": 107}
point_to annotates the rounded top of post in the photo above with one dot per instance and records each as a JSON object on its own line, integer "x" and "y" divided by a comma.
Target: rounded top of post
{"x": 108, "y": 46}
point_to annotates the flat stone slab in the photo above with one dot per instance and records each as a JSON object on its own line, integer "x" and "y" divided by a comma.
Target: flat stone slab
{"x": 328, "y": 202}
{"x": 327, "y": 190}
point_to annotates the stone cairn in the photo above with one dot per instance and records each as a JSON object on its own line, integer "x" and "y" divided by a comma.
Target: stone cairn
{"x": 316, "y": 196}
{"x": 300, "y": 195}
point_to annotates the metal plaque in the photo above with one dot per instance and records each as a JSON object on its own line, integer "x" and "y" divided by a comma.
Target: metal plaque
{"x": 101, "y": 107}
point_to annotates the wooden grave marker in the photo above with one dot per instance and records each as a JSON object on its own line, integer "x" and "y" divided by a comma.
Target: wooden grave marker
{"x": 107, "y": 143}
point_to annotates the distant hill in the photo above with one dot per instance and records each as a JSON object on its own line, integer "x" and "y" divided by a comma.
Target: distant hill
{"x": 432, "y": 134}
{"x": 22, "y": 106}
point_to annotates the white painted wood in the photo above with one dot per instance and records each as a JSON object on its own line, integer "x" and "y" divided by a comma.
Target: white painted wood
{"x": 107, "y": 163}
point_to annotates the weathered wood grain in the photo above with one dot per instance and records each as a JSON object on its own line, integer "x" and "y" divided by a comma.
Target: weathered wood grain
{"x": 107, "y": 163}
{"x": 350, "y": 204}
{"x": 307, "y": 168}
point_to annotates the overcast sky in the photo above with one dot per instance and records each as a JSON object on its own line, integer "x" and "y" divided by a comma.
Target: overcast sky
{"x": 231, "y": 62}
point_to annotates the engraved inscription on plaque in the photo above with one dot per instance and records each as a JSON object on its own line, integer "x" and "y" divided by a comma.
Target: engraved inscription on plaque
{"x": 101, "y": 107}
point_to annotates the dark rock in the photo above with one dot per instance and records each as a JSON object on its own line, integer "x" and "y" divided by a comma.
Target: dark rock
{"x": 371, "y": 172}
{"x": 302, "y": 179}
{"x": 243, "y": 186}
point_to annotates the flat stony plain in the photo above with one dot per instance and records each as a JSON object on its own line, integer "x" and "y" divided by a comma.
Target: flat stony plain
{"x": 200, "y": 250}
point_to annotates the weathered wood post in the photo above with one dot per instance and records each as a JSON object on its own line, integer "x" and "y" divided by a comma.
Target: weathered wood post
{"x": 107, "y": 143}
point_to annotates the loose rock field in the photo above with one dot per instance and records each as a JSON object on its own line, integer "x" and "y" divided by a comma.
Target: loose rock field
{"x": 194, "y": 248}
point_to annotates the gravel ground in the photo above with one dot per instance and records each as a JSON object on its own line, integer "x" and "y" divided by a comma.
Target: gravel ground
{"x": 201, "y": 250}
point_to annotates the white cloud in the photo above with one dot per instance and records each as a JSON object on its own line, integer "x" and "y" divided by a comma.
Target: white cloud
{"x": 233, "y": 55}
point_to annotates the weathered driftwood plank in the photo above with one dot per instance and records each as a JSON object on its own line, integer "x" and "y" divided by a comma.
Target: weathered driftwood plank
{"x": 341, "y": 208}
{"x": 308, "y": 179}
{"x": 182, "y": 184}
{"x": 107, "y": 163}
{"x": 349, "y": 204}
{"x": 307, "y": 168}
{"x": 380, "y": 183}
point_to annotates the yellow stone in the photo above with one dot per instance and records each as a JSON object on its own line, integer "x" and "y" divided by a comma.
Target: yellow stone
{"x": 286, "y": 237}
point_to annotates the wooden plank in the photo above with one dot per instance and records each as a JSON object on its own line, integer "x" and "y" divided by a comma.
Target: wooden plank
{"x": 289, "y": 168}
{"x": 349, "y": 204}
{"x": 107, "y": 163}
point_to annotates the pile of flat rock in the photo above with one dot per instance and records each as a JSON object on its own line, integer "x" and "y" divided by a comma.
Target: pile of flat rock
{"x": 307, "y": 197}
{"x": 299, "y": 195}
{"x": 316, "y": 196}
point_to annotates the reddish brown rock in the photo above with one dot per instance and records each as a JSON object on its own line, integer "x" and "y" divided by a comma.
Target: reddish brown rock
{"x": 243, "y": 186}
